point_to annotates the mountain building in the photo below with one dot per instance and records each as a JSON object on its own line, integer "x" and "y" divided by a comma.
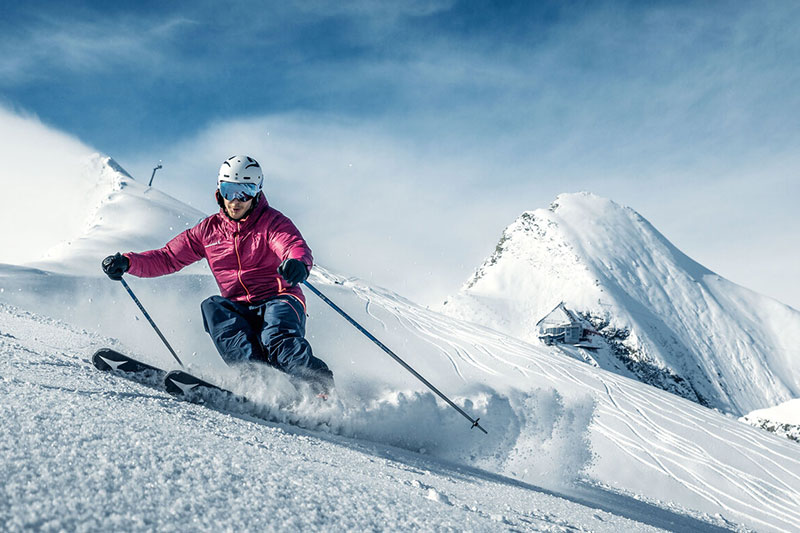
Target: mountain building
{"x": 560, "y": 326}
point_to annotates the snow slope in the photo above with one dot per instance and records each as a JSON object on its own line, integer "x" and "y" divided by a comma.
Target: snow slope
{"x": 666, "y": 320}
{"x": 551, "y": 419}
{"x": 85, "y": 451}
{"x": 570, "y": 446}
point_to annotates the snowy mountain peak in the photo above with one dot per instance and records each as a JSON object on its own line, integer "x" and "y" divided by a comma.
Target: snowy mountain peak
{"x": 656, "y": 314}
{"x": 113, "y": 165}
{"x": 568, "y": 199}
{"x": 118, "y": 213}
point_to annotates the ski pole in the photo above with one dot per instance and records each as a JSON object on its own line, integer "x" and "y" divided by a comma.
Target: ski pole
{"x": 394, "y": 356}
{"x": 147, "y": 316}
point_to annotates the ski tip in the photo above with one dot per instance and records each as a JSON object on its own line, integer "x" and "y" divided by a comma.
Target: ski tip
{"x": 178, "y": 383}
{"x": 101, "y": 358}
{"x": 108, "y": 360}
{"x": 184, "y": 385}
{"x": 99, "y": 363}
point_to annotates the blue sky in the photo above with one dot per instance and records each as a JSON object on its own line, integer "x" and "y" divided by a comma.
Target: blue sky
{"x": 403, "y": 136}
{"x": 171, "y": 70}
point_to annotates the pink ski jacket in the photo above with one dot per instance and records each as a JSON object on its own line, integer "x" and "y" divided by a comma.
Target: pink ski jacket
{"x": 244, "y": 255}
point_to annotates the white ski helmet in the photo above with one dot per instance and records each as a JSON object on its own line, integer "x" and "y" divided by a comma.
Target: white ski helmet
{"x": 240, "y": 169}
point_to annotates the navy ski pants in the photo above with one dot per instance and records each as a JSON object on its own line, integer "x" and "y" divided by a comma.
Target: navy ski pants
{"x": 272, "y": 331}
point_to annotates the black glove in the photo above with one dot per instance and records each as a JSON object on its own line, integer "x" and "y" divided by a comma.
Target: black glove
{"x": 293, "y": 271}
{"x": 115, "y": 266}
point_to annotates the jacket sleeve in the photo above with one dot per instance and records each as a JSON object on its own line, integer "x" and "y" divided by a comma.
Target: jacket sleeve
{"x": 285, "y": 240}
{"x": 181, "y": 251}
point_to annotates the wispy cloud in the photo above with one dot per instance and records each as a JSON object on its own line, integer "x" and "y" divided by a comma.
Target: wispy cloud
{"x": 375, "y": 9}
{"x": 55, "y": 45}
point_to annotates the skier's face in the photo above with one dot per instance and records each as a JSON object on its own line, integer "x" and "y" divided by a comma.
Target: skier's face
{"x": 236, "y": 209}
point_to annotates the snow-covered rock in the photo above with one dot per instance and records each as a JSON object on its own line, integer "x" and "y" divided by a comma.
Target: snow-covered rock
{"x": 783, "y": 419}
{"x": 663, "y": 318}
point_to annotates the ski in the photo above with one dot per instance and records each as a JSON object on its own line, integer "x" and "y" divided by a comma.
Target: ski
{"x": 178, "y": 383}
{"x": 109, "y": 360}
{"x": 186, "y": 386}
{"x": 182, "y": 385}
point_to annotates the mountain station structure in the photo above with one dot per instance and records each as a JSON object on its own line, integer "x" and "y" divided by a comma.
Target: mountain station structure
{"x": 560, "y": 326}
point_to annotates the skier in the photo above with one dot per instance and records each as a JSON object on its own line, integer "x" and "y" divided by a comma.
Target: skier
{"x": 258, "y": 258}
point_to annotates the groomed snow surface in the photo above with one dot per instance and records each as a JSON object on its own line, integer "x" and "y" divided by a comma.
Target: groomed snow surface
{"x": 85, "y": 451}
{"x": 569, "y": 446}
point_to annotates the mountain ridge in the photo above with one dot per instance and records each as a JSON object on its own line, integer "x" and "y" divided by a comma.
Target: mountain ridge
{"x": 121, "y": 214}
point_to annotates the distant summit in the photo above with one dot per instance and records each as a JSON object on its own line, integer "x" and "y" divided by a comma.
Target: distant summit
{"x": 654, "y": 314}
{"x": 118, "y": 213}
{"x": 113, "y": 165}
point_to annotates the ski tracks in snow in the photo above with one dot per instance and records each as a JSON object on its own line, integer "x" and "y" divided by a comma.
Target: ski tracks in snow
{"x": 761, "y": 484}
{"x": 726, "y": 466}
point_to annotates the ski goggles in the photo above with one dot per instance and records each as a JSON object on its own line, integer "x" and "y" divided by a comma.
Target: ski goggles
{"x": 238, "y": 191}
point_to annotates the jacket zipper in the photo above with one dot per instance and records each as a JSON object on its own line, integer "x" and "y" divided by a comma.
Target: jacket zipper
{"x": 238, "y": 258}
